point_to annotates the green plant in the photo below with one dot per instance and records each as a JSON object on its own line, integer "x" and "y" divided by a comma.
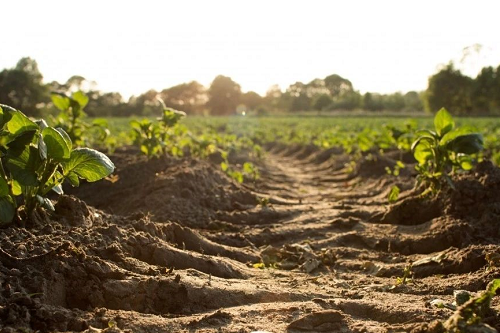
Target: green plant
{"x": 72, "y": 119}
{"x": 444, "y": 151}
{"x": 251, "y": 171}
{"x": 469, "y": 317}
{"x": 161, "y": 137}
{"x": 407, "y": 276}
{"x": 35, "y": 159}
{"x": 393, "y": 194}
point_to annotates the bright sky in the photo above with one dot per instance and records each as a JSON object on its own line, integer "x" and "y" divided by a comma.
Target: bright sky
{"x": 132, "y": 46}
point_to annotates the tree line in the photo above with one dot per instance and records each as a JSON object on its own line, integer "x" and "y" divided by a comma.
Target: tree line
{"x": 22, "y": 87}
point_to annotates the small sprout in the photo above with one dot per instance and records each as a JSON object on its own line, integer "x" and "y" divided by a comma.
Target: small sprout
{"x": 393, "y": 194}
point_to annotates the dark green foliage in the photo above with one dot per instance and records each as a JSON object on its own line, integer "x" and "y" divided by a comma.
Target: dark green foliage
{"x": 444, "y": 151}
{"x": 35, "y": 159}
{"x": 451, "y": 89}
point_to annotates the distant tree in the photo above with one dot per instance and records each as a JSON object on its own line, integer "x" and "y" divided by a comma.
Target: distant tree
{"x": 145, "y": 104}
{"x": 275, "y": 99}
{"x": 451, "y": 89}
{"x": 188, "y": 97}
{"x": 105, "y": 104}
{"x": 299, "y": 99}
{"x": 223, "y": 96}
{"x": 251, "y": 100}
{"x": 348, "y": 101}
{"x": 393, "y": 102}
{"x": 372, "y": 102}
{"x": 413, "y": 101}
{"x": 485, "y": 88}
{"x": 22, "y": 87}
{"x": 321, "y": 102}
{"x": 337, "y": 85}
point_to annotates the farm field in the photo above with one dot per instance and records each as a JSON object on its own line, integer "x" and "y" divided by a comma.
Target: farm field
{"x": 245, "y": 224}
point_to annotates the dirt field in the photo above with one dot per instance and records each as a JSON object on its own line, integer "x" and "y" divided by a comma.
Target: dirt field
{"x": 169, "y": 245}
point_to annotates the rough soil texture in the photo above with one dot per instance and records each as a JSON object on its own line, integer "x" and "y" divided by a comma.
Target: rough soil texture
{"x": 169, "y": 245}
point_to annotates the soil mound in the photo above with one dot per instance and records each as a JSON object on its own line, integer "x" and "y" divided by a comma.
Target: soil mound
{"x": 182, "y": 190}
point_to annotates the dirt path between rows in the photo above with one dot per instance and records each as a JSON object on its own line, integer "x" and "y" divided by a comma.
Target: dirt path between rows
{"x": 186, "y": 249}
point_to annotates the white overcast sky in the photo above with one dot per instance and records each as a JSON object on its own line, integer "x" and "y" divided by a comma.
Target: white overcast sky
{"x": 132, "y": 46}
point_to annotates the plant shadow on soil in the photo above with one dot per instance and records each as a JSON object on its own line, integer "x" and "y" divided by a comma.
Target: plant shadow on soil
{"x": 170, "y": 245}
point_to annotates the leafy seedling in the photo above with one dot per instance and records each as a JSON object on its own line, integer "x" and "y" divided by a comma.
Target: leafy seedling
{"x": 469, "y": 317}
{"x": 393, "y": 194}
{"x": 444, "y": 151}
{"x": 36, "y": 159}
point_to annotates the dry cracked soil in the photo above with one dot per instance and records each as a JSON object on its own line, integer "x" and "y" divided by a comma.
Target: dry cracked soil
{"x": 174, "y": 245}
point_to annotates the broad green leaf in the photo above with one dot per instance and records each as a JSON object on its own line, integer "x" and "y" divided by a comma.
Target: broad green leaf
{"x": 455, "y": 133}
{"x": 16, "y": 188}
{"x": 16, "y": 145}
{"x": 393, "y": 194}
{"x": 7, "y": 209}
{"x": 60, "y": 101}
{"x": 466, "y": 144}
{"x": 42, "y": 147}
{"x": 19, "y": 124}
{"x": 57, "y": 145}
{"x": 80, "y": 98}
{"x": 23, "y": 166}
{"x": 66, "y": 137}
{"x": 5, "y": 114}
{"x": 73, "y": 179}
{"x": 428, "y": 139}
{"x": 443, "y": 122}
{"x": 422, "y": 152}
{"x": 4, "y": 187}
{"x": 88, "y": 164}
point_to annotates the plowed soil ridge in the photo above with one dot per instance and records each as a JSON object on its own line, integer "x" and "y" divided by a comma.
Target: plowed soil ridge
{"x": 174, "y": 245}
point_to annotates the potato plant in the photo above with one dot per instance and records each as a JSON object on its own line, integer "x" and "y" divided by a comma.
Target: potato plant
{"x": 445, "y": 150}
{"x": 36, "y": 159}
{"x": 71, "y": 119}
{"x": 160, "y": 137}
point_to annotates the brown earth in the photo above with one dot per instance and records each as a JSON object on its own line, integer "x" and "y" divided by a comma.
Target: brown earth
{"x": 169, "y": 245}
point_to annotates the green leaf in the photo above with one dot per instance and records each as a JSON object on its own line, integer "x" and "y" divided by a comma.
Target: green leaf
{"x": 19, "y": 124}
{"x": 422, "y": 152}
{"x": 88, "y": 164}
{"x": 57, "y": 145}
{"x": 466, "y": 144}
{"x": 5, "y": 114}
{"x": 23, "y": 166}
{"x": 7, "y": 209}
{"x": 42, "y": 147}
{"x": 80, "y": 98}
{"x": 60, "y": 101}
{"x": 465, "y": 161}
{"x": 455, "y": 133}
{"x": 73, "y": 179}
{"x": 16, "y": 188}
{"x": 443, "y": 122}
{"x": 4, "y": 187}
{"x": 65, "y": 137}
{"x": 393, "y": 194}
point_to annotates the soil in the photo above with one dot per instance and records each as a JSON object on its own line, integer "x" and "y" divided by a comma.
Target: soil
{"x": 174, "y": 245}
